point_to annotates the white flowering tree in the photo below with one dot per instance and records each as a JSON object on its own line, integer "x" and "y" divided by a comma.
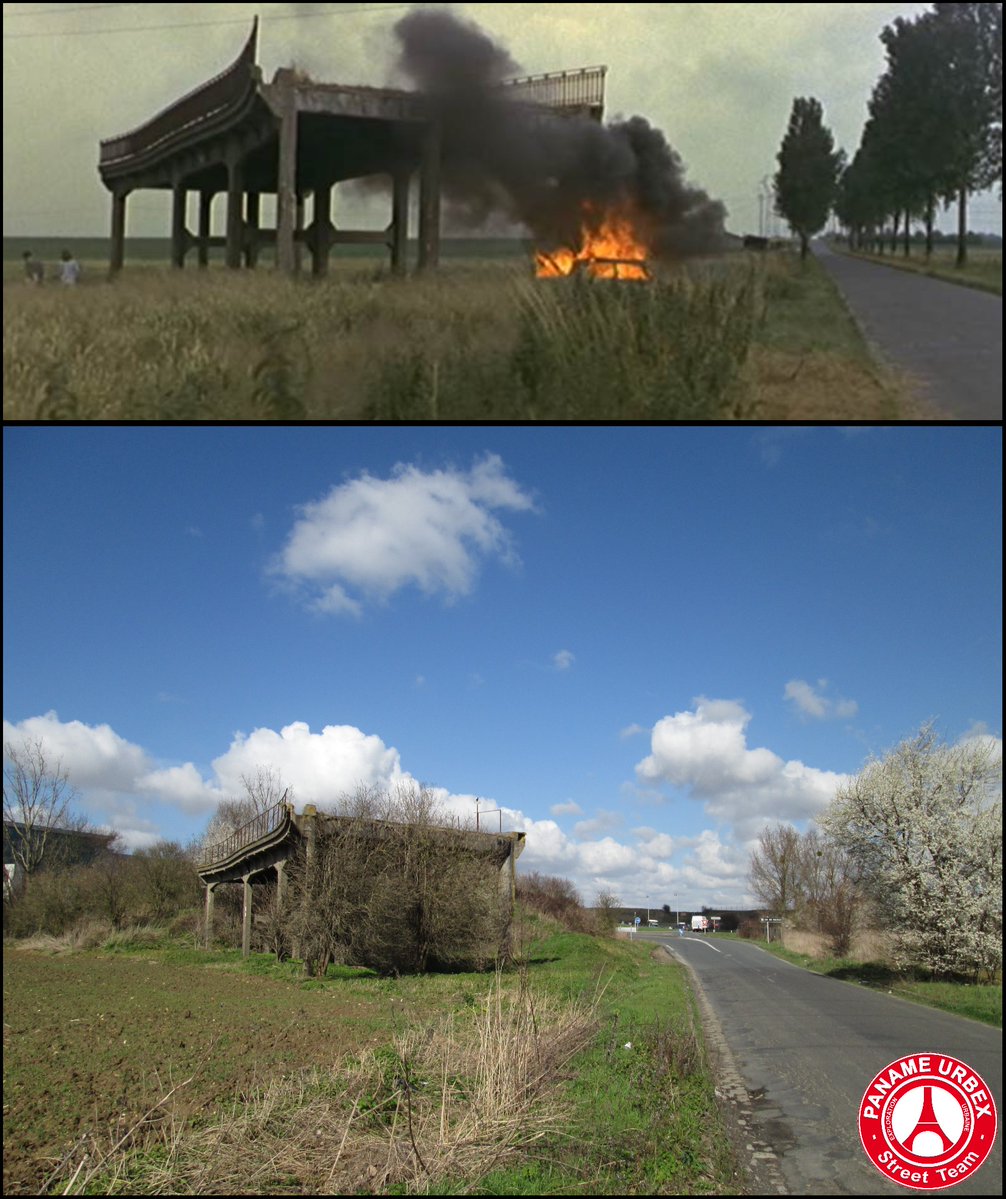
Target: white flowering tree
{"x": 924, "y": 826}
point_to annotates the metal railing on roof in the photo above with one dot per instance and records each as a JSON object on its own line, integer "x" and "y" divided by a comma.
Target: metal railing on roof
{"x": 582, "y": 88}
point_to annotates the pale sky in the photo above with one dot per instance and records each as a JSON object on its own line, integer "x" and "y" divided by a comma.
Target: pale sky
{"x": 718, "y": 79}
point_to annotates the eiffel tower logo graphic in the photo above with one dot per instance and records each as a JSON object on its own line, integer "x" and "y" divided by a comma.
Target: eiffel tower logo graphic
{"x": 927, "y": 1122}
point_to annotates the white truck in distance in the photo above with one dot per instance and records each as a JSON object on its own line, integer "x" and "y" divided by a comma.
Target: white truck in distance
{"x": 699, "y": 924}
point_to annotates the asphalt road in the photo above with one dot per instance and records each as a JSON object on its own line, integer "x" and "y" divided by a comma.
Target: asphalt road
{"x": 947, "y": 337}
{"x": 797, "y": 1053}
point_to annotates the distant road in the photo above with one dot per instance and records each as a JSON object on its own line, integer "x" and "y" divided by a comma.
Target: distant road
{"x": 947, "y": 337}
{"x": 805, "y": 1048}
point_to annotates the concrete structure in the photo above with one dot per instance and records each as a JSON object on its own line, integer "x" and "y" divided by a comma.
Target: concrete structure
{"x": 240, "y": 137}
{"x": 259, "y": 851}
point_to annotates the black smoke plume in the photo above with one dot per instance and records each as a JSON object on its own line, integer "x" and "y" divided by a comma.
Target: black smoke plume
{"x": 551, "y": 173}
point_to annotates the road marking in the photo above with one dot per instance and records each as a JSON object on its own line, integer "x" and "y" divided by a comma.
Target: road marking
{"x": 699, "y": 941}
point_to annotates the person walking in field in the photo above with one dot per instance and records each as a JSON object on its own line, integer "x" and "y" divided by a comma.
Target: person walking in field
{"x": 34, "y": 272}
{"x": 69, "y": 269}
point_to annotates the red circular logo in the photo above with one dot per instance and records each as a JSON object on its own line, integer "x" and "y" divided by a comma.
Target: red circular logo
{"x": 927, "y": 1121}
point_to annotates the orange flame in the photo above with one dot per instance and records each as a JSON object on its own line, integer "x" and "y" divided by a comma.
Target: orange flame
{"x": 612, "y": 251}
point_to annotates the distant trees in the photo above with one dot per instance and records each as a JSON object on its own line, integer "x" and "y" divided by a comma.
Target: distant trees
{"x": 935, "y": 127}
{"x": 156, "y": 885}
{"x": 924, "y": 829}
{"x": 809, "y": 168}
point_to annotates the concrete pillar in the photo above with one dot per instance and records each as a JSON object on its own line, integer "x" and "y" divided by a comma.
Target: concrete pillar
{"x": 298, "y": 244}
{"x": 251, "y": 229}
{"x": 429, "y": 198}
{"x": 246, "y": 916}
{"x": 179, "y": 196}
{"x": 399, "y": 223}
{"x": 286, "y": 199}
{"x": 310, "y": 820}
{"x": 235, "y": 214}
{"x": 322, "y": 229}
{"x": 208, "y": 929}
{"x": 117, "y": 255}
{"x": 205, "y": 211}
{"x": 280, "y": 883}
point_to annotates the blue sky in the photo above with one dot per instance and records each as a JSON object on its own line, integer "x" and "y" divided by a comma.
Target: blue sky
{"x": 642, "y": 644}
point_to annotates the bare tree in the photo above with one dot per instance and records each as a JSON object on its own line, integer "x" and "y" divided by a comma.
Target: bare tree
{"x": 776, "y": 866}
{"x": 832, "y": 898}
{"x": 263, "y": 789}
{"x": 110, "y": 880}
{"x": 37, "y": 799}
{"x": 606, "y": 905}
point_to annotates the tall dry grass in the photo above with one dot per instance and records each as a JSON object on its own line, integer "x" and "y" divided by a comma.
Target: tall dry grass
{"x": 868, "y": 945}
{"x": 478, "y": 341}
{"x": 454, "y": 1101}
{"x": 742, "y": 337}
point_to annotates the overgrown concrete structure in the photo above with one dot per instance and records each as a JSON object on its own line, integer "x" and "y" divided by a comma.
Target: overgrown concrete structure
{"x": 260, "y": 851}
{"x": 295, "y": 138}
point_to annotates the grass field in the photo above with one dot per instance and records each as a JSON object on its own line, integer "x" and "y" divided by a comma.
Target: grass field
{"x": 984, "y": 268}
{"x": 183, "y": 1072}
{"x": 744, "y": 337}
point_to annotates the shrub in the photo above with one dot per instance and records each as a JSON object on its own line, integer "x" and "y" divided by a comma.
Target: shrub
{"x": 555, "y": 897}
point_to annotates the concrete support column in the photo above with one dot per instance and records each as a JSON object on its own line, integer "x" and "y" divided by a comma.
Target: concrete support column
{"x": 179, "y": 197}
{"x": 117, "y": 255}
{"x": 246, "y": 916}
{"x": 251, "y": 229}
{"x": 205, "y": 211}
{"x": 208, "y": 929}
{"x": 310, "y": 820}
{"x": 286, "y": 199}
{"x": 235, "y": 205}
{"x": 298, "y": 244}
{"x": 280, "y": 883}
{"x": 321, "y": 242}
{"x": 429, "y": 198}
{"x": 399, "y": 223}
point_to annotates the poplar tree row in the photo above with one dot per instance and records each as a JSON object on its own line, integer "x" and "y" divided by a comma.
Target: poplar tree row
{"x": 934, "y": 135}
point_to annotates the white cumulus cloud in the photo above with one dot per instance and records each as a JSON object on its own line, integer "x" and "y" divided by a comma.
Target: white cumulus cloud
{"x": 563, "y": 660}
{"x": 117, "y": 782}
{"x": 95, "y": 755}
{"x": 370, "y": 537}
{"x": 705, "y": 751}
{"x": 320, "y": 767}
